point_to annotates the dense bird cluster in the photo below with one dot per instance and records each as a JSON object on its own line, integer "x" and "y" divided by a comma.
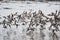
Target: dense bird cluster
{"x": 34, "y": 19}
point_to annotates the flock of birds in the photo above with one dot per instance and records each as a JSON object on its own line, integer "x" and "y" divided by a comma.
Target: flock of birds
{"x": 37, "y": 19}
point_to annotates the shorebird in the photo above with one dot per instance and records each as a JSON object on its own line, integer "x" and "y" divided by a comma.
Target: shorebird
{"x": 55, "y": 21}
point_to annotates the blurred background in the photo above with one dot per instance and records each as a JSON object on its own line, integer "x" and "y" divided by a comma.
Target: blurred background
{"x": 31, "y": 0}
